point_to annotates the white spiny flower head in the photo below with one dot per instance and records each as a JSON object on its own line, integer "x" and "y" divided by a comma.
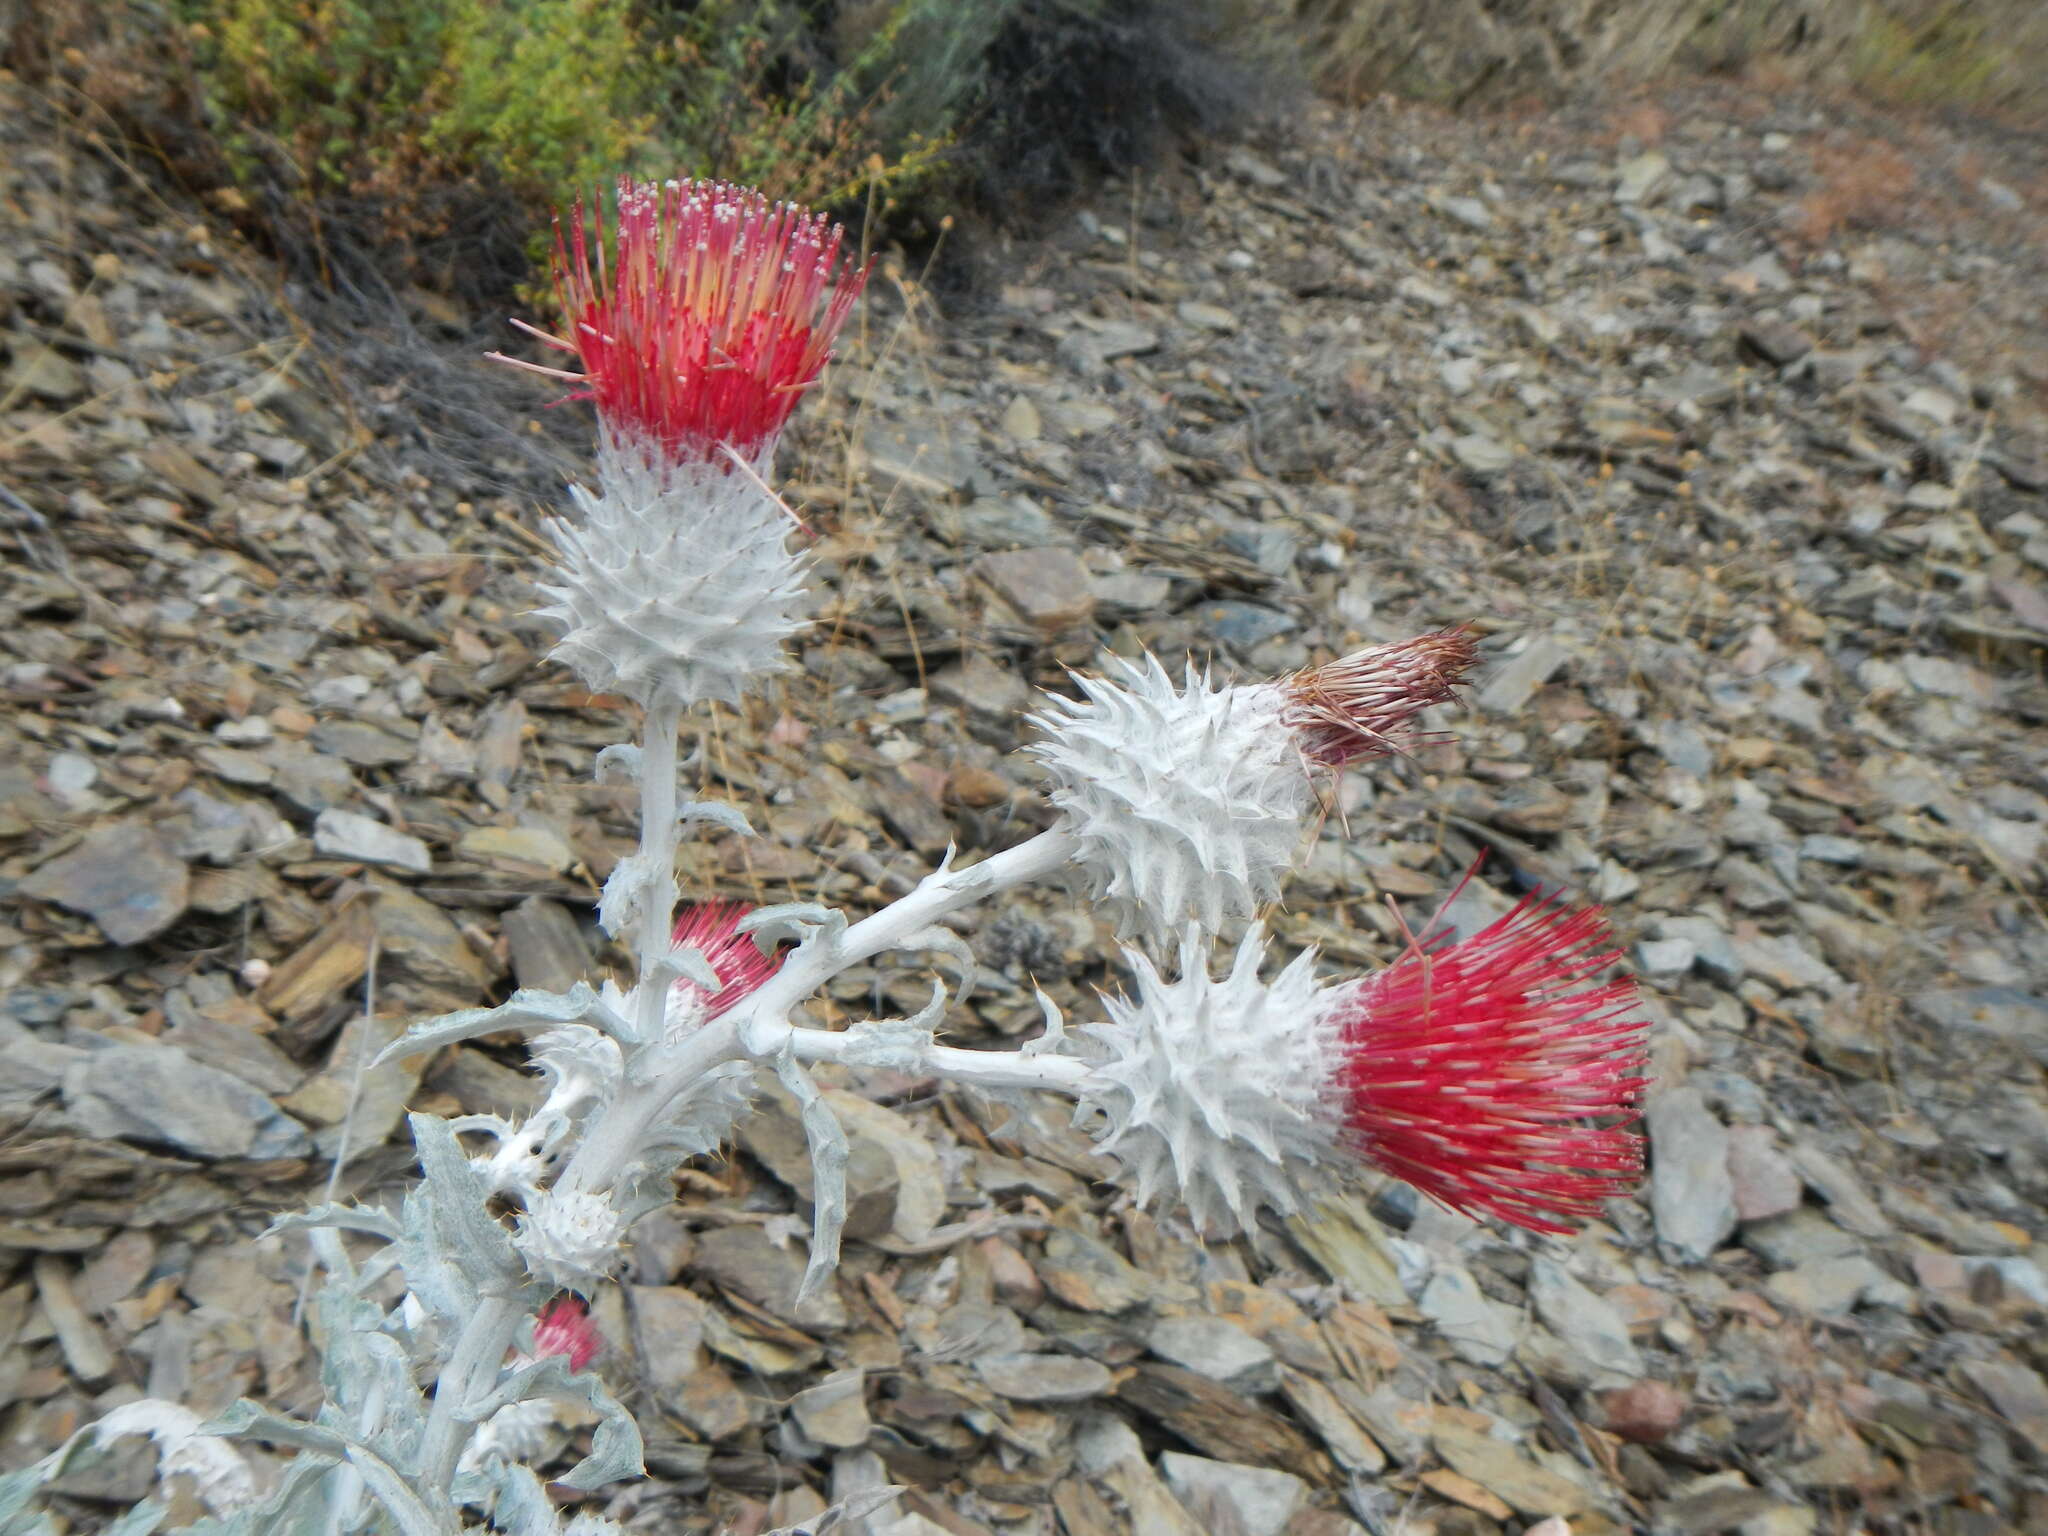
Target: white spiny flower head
{"x": 1188, "y": 801}
{"x": 1216, "y": 1094}
{"x": 675, "y": 577}
{"x": 587, "y": 1524}
{"x": 570, "y": 1240}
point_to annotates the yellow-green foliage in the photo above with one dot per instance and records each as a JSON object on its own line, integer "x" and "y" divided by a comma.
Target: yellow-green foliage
{"x": 449, "y": 128}
{"x": 392, "y": 97}
{"x": 400, "y": 101}
{"x": 1943, "y": 60}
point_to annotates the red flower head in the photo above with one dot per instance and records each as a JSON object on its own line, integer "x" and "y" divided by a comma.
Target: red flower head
{"x": 701, "y": 317}
{"x": 712, "y": 929}
{"x": 1494, "y": 1074}
{"x": 564, "y": 1328}
{"x": 1365, "y": 704}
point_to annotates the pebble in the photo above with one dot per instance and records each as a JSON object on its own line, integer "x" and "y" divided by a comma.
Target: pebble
{"x": 1766, "y": 1183}
{"x": 1640, "y": 179}
{"x": 1207, "y": 317}
{"x": 1644, "y": 1412}
{"x": 537, "y": 846}
{"x": 1829, "y": 1287}
{"x": 1498, "y": 1467}
{"x": 1482, "y": 454}
{"x": 1799, "y": 1237}
{"x": 1021, "y": 420}
{"x": 834, "y": 1412}
{"x": 1244, "y": 625}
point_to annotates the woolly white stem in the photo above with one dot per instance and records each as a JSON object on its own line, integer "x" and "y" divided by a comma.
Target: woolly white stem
{"x": 765, "y": 1015}
{"x": 345, "y": 1483}
{"x": 618, "y": 1130}
{"x": 760, "y": 1026}
{"x": 659, "y": 834}
{"x": 479, "y": 1352}
{"x": 977, "y": 1069}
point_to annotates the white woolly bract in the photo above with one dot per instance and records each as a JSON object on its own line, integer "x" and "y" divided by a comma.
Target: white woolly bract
{"x": 569, "y": 1241}
{"x": 1188, "y": 801}
{"x": 583, "y": 1067}
{"x": 1218, "y": 1094}
{"x": 674, "y": 577}
{"x": 521, "y": 1433}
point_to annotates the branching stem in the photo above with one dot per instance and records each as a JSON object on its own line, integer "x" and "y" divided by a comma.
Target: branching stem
{"x": 977, "y": 1069}
{"x": 760, "y": 1026}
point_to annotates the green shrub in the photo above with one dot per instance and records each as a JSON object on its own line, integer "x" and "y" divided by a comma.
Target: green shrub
{"x": 387, "y": 99}
{"x": 1946, "y": 58}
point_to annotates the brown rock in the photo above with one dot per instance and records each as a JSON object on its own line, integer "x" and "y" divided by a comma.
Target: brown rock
{"x": 1016, "y": 1283}
{"x": 1048, "y": 588}
{"x": 979, "y": 788}
{"x": 1220, "y": 1423}
{"x": 1508, "y": 1473}
{"x": 1775, "y": 342}
{"x": 1643, "y": 1411}
{"x": 746, "y": 1261}
{"x": 1460, "y": 1489}
{"x": 1088, "y": 1275}
{"x": 1766, "y": 1183}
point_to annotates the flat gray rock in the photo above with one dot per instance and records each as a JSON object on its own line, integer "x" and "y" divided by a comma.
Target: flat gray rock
{"x": 1477, "y": 1328}
{"x": 1588, "y": 1323}
{"x": 1691, "y": 1193}
{"x": 345, "y": 835}
{"x": 122, "y": 878}
{"x": 1227, "y": 1496}
{"x": 158, "y": 1095}
{"x": 1218, "y": 1349}
{"x": 1029, "y": 1378}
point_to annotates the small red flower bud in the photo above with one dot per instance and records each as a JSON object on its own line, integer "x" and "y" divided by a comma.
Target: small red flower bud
{"x": 564, "y": 1328}
{"x": 1494, "y": 1074}
{"x": 701, "y": 317}
{"x": 712, "y": 929}
{"x": 1365, "y": 704}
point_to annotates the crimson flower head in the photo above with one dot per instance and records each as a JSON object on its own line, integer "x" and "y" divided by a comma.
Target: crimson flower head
{"x": 564, "y": 1328}
{"x": 701, "y": 315}
{"x": 1365, "y": 704}
{"x": 712, "y": 929}
{"x": 1496, "y": 1074}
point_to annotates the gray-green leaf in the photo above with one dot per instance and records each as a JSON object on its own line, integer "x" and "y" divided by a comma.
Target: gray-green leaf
{"x": 528, "y": 1008}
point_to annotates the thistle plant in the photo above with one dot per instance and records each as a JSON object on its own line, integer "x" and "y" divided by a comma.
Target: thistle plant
{"x": 1497, "y": 1073}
